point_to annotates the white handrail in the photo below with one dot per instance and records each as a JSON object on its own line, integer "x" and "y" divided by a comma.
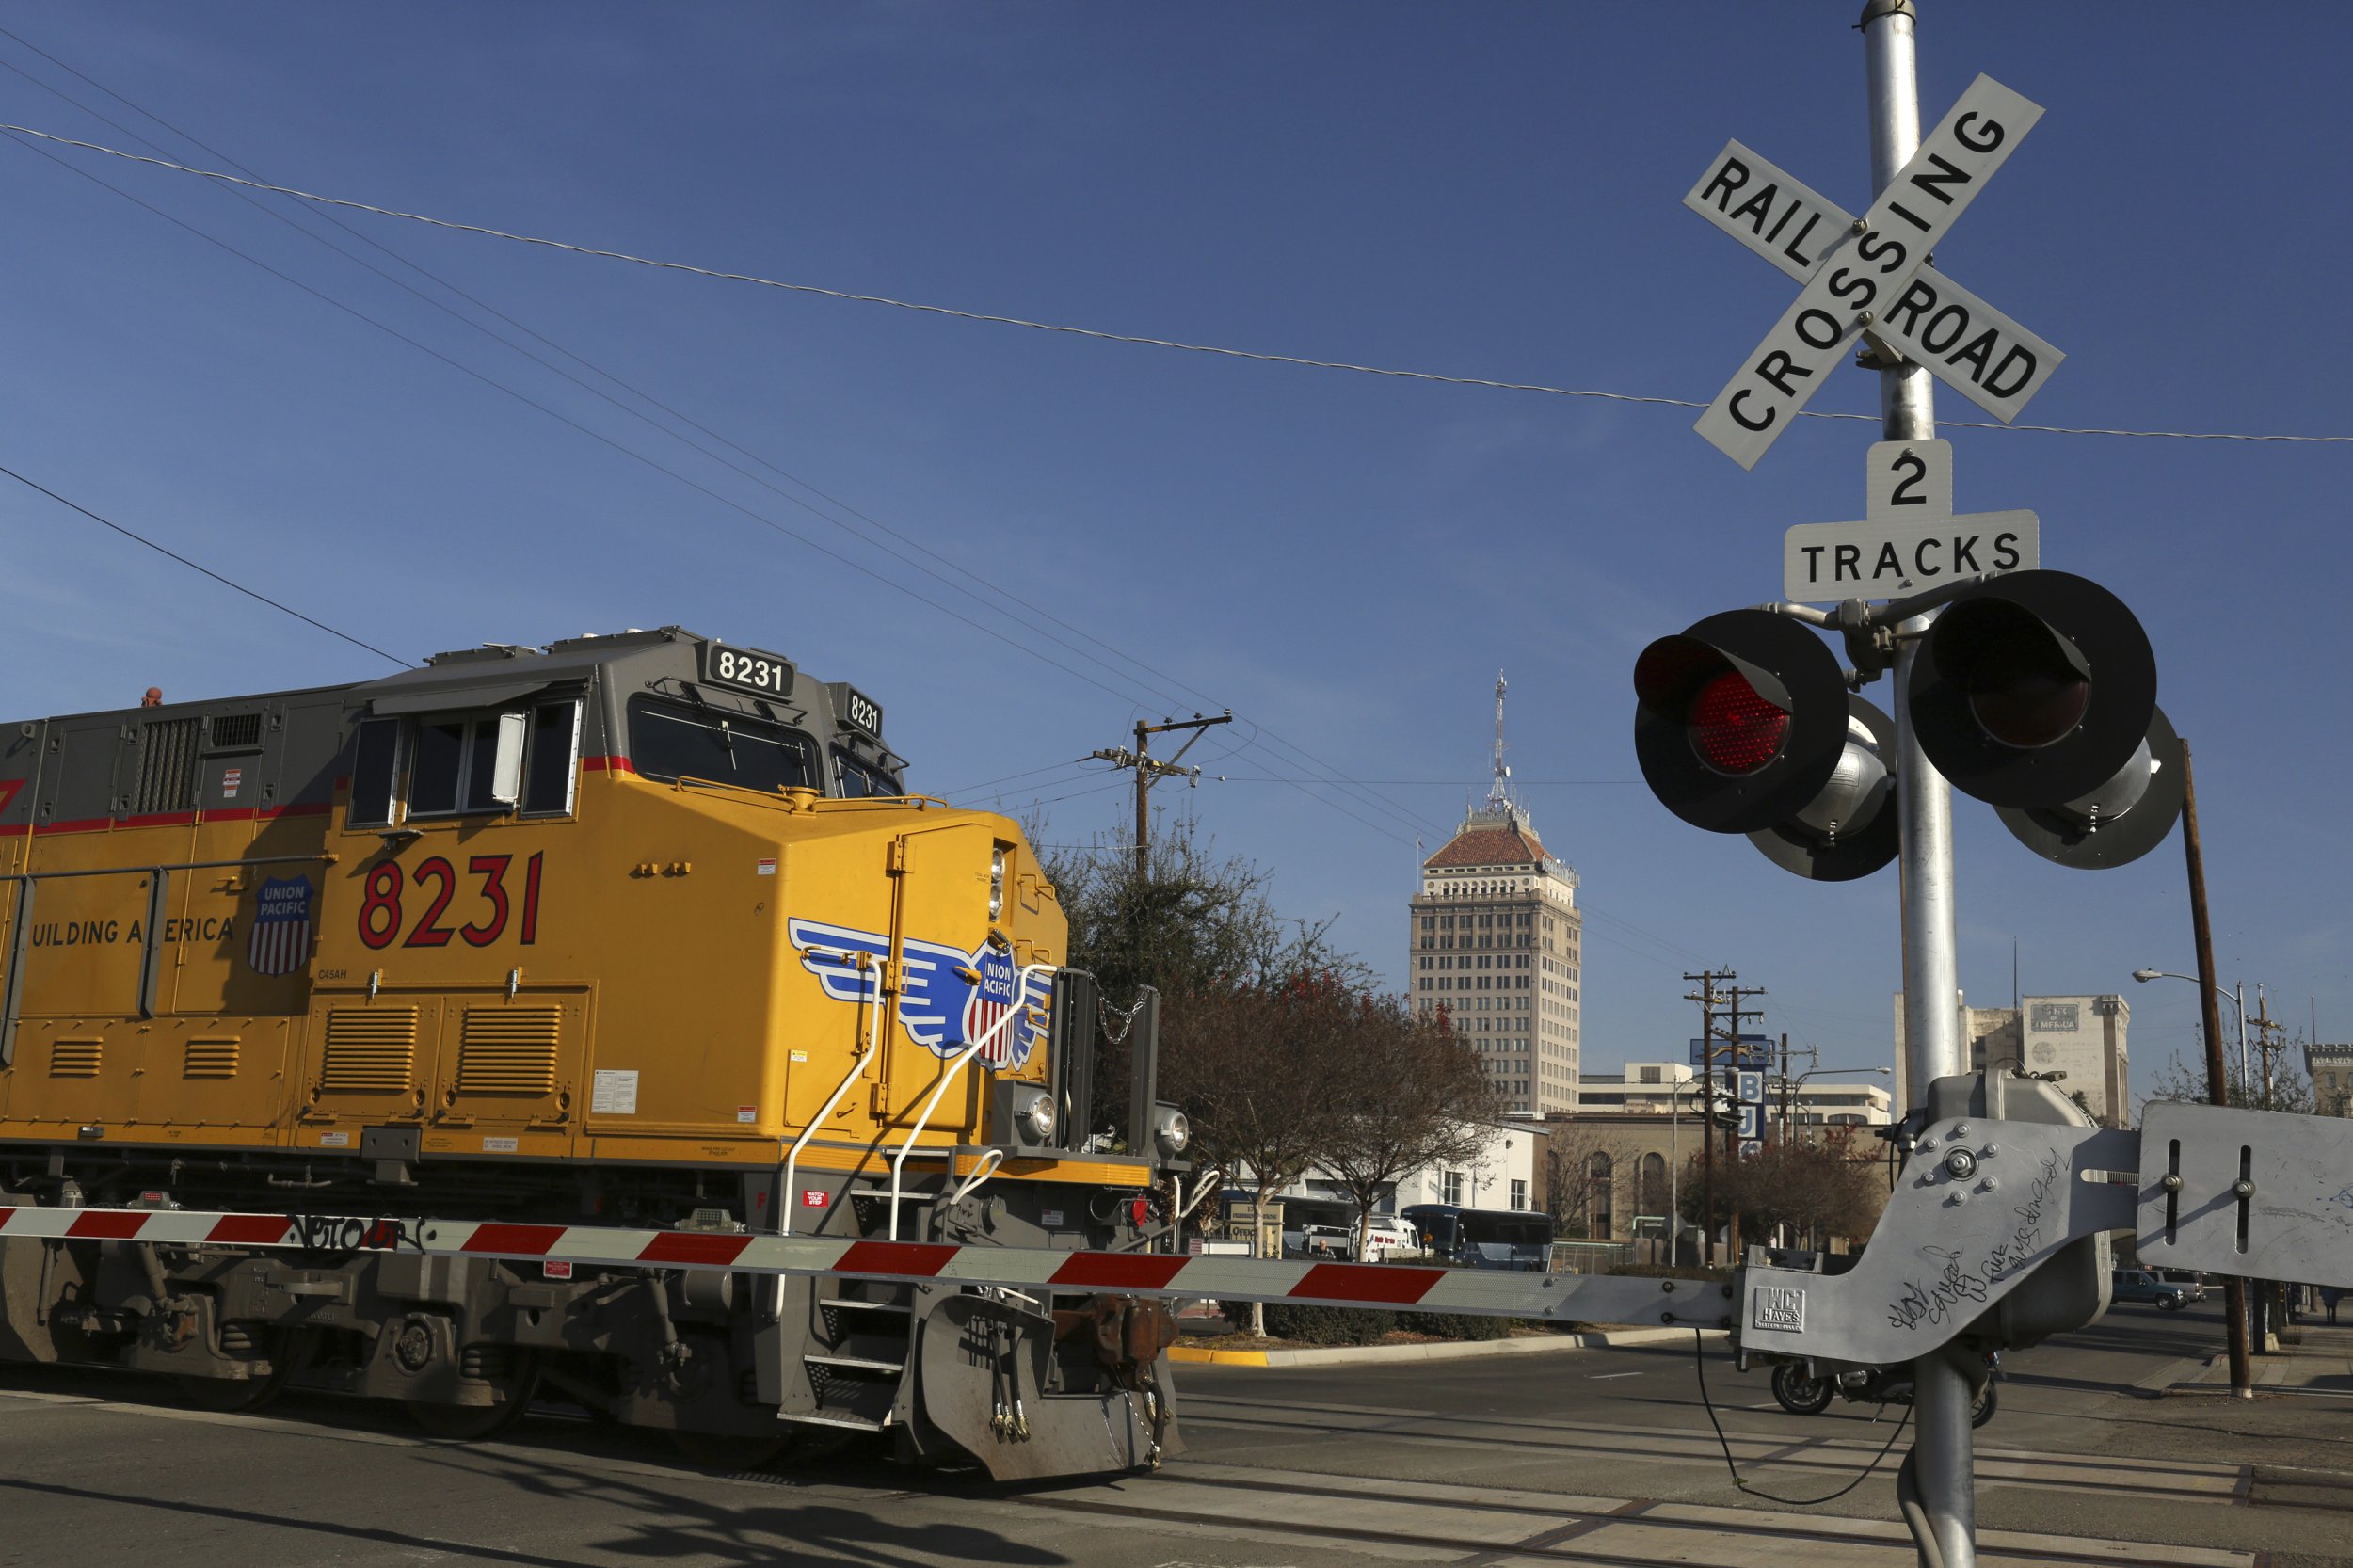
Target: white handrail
{"x": 785, "y": 1199}
{"x": 954, "y": 1064}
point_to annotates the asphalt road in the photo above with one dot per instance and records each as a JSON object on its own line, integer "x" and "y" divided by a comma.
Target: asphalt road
{"x": 1604, "y": 1456}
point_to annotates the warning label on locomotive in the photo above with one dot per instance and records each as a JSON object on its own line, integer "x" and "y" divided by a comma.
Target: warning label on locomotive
{"x": 614, "y": 1093}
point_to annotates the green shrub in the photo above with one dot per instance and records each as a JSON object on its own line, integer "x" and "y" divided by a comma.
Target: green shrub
{"x": 1457, "y": 1325}
{"x": 1316, "y": 1325}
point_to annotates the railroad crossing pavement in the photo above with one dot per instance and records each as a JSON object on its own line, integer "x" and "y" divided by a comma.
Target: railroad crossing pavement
{"x": 1606, "y": 1457}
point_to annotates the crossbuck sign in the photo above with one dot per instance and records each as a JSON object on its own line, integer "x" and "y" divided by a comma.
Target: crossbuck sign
{"x": 1871, "y": 274}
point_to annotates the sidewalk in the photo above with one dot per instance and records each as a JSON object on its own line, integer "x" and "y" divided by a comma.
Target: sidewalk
{"x": 1436, "y": 1350}
{"x": 2320, "y": 1363}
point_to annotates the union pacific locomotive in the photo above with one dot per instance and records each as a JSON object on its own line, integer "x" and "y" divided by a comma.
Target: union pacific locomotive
{"x": 635, "y": 930}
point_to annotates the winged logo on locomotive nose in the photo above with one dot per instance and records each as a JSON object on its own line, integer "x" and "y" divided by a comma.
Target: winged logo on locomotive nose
{"x": 938, "y": 1007}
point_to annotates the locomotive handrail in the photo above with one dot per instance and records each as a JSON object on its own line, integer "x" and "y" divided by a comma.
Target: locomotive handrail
{"x": 21, "y": 926}
{"x": 785, "y": 1204}
{"x": 948, "y": 1072}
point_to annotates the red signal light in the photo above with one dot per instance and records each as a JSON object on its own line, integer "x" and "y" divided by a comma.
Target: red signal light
{"x": 1735, "y": 729}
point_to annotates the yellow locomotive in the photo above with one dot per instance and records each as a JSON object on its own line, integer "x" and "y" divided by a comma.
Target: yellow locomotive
{"x": 632, "y": 929}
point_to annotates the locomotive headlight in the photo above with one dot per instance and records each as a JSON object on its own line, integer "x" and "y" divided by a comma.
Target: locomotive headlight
{"x": 1034, "y": 1115}
{"x": 996, "y": 888}
{"x": 1171, "y": 1130}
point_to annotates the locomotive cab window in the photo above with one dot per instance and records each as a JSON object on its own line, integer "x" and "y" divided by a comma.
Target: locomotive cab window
{"x": 469, "y": 765}
{"x": 862, "y": 779}
{"x": 670, "y": 740}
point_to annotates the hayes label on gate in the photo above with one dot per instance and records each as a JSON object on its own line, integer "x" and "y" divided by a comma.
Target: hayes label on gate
{"x": 1824, "y": 562}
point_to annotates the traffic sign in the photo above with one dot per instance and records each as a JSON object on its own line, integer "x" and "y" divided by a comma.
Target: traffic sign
{"x": 1910, "y": 539}
{"x": 1869, "y": 275}
{"x": 1824, "y": 562}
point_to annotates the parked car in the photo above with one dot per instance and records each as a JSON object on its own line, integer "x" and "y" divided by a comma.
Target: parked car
{"x": 2189, "y": 1279}
{"x": 2139, "y": 1285}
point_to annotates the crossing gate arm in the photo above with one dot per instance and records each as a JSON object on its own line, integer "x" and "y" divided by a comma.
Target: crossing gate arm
{"x": 1479, "y": 1293}
{"x": 1983, "y": 1204}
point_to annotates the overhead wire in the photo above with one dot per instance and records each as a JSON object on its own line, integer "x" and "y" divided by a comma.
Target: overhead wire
{"x": 1298, "y": 755}
{"x": 852, "y": 297}
{"x": 229, "y": 582}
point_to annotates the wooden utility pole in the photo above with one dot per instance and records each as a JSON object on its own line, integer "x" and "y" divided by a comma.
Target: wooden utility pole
{"x": 2218, "y": 1074}
{"x": 1706, "y": 999}
{"x": 1149, "y": 768}
{"x": 1731, "y": 1071}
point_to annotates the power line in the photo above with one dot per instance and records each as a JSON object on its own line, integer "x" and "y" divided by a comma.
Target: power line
{"x": 851, "y": 297}
{"x": 204, "y": 570}
{"x": 1299, "y": 754}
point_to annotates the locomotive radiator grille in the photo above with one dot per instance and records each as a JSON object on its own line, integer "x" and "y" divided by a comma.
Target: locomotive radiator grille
{"x": 509, "y": 1051}
{"x": 370, "y": 1049}
{"x": 210, "y": 1058}
{"x": 75, "y": 1058}
{"x": 167, "y": 777}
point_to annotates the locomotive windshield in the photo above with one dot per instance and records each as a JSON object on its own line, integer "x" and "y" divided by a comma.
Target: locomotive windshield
{"x": 861, "y": 778}
{"x": 678, "y": 740}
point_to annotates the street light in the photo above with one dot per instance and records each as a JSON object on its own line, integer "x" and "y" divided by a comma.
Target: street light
{"x": 1789, "y": 1086}
{"x": 2238, "y": 999}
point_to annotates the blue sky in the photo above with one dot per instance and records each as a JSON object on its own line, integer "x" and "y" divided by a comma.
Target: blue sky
{"x": 1488, "y": 191}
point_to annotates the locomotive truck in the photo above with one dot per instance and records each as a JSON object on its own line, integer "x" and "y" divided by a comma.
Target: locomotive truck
{"x": 635, "y": 930}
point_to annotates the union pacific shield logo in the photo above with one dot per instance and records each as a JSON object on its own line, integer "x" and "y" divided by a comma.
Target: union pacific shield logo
{"x": 991, "y": 999}
{"x": 280, "y": 941}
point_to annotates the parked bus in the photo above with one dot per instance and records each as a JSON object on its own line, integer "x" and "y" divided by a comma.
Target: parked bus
{"x": 1483, "y": 1238}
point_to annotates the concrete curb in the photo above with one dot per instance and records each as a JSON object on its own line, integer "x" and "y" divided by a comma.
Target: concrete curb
{"x": 1444, "y": 1350}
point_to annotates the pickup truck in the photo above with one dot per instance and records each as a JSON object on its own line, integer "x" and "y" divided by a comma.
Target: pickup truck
{"x": 2139, "y": 1285}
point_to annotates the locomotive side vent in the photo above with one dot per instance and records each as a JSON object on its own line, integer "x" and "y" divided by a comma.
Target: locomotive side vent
{"x": 370, "y": 1050}
{"x": 75, "y": 1058}
{"x": 509, "y": 1051}
{"x": 235, "y": 731}
{"x": 167, "y": 780}
{"x": 216, "y": 1057}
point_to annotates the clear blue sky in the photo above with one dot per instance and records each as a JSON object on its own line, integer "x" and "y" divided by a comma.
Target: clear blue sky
{"x": 1346, "y": 561}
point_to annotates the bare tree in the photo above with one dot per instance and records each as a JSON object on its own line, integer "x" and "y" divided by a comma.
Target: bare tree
{"x": 1414, "y": 1095}
{"x": 1195, "y": 926}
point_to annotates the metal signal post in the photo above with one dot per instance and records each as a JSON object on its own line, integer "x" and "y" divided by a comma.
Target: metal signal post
{"x": 1941, "y": 1462}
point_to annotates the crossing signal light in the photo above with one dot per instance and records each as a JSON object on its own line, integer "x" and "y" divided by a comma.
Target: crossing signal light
{"x": 1743, "y": 725}
{"x": 2033, "y": 690}
{"x": 1739, "y": 720}
{"x": 1849, "y": 829}
{"x": 2126, "y": 817}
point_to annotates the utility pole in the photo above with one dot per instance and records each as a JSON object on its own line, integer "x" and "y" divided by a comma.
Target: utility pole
{"x": 1942, "y": 1459}
{"x": 1732, "y": 1070}
{"x": 1149, "y": 768}
{"x": 2218, "y": 1071}
{"x": 1706, "y": 999}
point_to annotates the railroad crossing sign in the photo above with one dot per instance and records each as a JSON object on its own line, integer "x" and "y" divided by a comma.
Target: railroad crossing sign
{"x": 1871, "y": 274}
{"x": 1910, "y": 539}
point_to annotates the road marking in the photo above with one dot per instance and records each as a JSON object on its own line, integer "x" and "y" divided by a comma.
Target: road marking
{"x": 1604, "y": 1377}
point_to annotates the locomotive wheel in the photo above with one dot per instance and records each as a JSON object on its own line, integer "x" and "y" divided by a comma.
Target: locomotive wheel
{"x": 471, "y": 1423}
{"x": 717, "y": 1450}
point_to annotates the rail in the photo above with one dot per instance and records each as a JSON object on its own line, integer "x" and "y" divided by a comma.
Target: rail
{"x": 948, "y": 1073}
{"x": 158, "y": 894}
{"x": 785, "y": 1192}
